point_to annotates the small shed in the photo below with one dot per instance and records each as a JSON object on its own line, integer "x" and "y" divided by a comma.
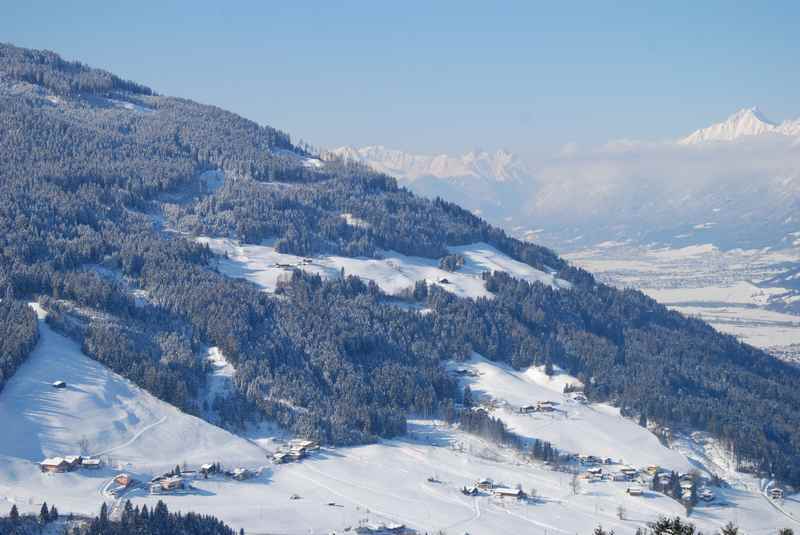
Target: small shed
{"x": 91, "y": 463}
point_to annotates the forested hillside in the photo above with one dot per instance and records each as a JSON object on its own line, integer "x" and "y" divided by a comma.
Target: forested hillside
{"x": 18, "y": 335}
{"x": 102, "y": 188}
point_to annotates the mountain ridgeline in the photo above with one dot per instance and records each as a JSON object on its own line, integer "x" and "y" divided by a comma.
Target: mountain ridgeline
{"x": 103, "y": 182}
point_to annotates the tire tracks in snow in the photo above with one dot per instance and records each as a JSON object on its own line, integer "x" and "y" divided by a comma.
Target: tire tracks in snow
{"x": 133, "y": 439}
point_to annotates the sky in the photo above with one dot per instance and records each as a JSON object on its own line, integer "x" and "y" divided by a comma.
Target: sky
{"x": 443, "y": 76}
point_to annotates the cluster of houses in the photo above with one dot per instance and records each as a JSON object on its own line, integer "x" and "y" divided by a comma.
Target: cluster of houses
{"x": 176, "y": 481}
{"x": 540, "y": 406}
{"x": 301, "y": 262}
{"x": 69, "y": 463}
{"x": 297, "y": 450}
{"x": 596, "y": 473}
{"x": 487, "y": 486}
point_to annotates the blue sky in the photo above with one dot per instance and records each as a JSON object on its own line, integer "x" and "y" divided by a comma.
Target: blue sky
{"x": 443, "y": 76}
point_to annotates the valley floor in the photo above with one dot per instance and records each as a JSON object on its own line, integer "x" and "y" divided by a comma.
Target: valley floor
{"x": 721, "y": 287}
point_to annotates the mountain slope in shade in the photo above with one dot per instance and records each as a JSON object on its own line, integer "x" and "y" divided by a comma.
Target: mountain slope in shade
{"x": 499, "y": 166}
{"x": 745, "y": 122}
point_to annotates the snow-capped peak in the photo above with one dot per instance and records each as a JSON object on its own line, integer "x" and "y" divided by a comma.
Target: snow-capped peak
{"x": 501, "y": 165}
{"x": 745, "y": 122}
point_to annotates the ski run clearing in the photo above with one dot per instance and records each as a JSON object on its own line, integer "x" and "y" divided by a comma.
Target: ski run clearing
{"x": 395, "y": 272}
{"x": 415, "y": 481}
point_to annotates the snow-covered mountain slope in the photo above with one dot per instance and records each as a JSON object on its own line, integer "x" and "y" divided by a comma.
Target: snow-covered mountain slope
{"x": 500, "y": 166}
{"x": 393, "y": 273}
{"x": 743, "y": 123}
{"x": 574, "y": 427}
{"x": 100, "y": 413}
{"x": 337, "y": 488}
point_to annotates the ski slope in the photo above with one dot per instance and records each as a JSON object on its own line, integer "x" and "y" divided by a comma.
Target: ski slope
{"x": 393, "y": 273}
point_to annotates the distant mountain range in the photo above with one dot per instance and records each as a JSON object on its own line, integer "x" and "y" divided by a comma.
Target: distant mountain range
{"x": 499, "y": 166}
{"x": 735, "y": 184}
{"x": 745, "y": 122}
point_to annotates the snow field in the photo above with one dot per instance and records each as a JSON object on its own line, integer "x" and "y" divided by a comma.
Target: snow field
{"x": 395, "y": 272}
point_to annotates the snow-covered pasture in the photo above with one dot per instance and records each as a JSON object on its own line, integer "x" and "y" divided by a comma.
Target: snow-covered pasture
{"x": 393, "y": 273}
{"x": 101, "y": 413}
{"x": 574, "y": 427}
{"x": 337, "y": 488}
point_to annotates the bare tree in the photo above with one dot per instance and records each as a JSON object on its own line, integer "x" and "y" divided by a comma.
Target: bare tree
{"x": 84, "y": 445}
{"x": 575, "y": 484}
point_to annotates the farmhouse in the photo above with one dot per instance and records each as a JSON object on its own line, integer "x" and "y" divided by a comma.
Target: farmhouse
{"x": 485, "y": 484}
{"x": 308, "y": 445}
{"x": 167, "y": 484}
{"x": 502, "y": 492}
{"x": 208, "y": 468}
{"x": 280, "y": 458}
{"x": 54, "y": 465}
{"x": 240, "y": 474}
{"x": 629, "y": 471}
